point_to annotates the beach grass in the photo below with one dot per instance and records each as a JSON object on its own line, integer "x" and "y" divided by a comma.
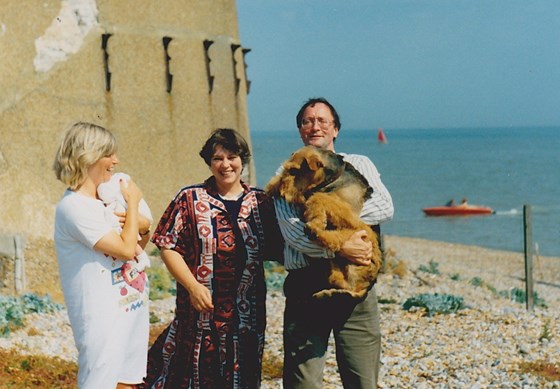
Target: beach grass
{"x": 28, "y": 371}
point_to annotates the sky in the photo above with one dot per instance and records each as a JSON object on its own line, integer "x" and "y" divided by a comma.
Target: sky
{"x": 404, "y": 63}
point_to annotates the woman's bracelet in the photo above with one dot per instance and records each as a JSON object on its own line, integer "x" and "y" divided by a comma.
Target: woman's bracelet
{"x": 145, "y": 232}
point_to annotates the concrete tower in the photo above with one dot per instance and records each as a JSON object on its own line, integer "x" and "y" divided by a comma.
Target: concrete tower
{"x": 160, "y": 74}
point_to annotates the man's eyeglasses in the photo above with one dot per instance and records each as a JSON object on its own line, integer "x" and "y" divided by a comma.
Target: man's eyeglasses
{"x": 309, "y": 123}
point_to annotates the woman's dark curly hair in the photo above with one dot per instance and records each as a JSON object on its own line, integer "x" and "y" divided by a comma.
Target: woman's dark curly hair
{"x": 230, "y": 140}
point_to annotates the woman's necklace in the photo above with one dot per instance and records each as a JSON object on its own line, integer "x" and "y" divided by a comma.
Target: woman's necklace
{"x": 231, "y": 197}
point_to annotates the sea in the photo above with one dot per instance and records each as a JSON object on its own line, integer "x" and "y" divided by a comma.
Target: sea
{"x": 515, "y": 171}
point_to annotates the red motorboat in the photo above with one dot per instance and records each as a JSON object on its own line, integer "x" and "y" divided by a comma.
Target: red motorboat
{"x": 458, "y": 210}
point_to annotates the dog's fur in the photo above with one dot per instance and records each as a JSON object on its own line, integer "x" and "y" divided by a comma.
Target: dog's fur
{"x": 332, "y": 193}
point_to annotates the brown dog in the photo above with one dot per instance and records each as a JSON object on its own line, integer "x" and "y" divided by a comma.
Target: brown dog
{"x": 332, "y": 193}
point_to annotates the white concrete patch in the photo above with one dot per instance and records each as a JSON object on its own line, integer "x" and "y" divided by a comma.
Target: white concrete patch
{"x": 2, "y": 29}
{"x": 66, "y": 33}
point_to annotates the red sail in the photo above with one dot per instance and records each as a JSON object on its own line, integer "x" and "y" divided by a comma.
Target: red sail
{"x": 381, "y": 136}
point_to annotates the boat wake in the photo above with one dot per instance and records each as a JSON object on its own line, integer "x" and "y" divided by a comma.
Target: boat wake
{"x": 511, "y": 212}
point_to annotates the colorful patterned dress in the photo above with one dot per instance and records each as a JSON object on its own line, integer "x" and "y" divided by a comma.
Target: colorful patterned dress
{"x": 224, "y": 244}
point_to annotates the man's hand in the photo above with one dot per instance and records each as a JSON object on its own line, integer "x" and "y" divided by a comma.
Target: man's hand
{"x": 357, "y": 249}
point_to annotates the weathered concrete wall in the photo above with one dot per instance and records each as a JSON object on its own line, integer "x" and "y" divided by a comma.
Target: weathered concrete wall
{"x": 53, "y": 73}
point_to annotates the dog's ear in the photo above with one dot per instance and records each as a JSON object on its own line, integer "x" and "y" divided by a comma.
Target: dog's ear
{"x": 314, "y": 162}
{"x": 340, "y": 159}
{"x": 293, "y": 171}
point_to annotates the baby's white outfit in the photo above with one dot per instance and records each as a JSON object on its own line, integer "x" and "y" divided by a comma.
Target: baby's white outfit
{"x": 110, "y": 193}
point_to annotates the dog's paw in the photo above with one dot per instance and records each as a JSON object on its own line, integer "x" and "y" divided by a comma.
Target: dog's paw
{"x": 327, "y": 293}
{"x": 309, "y": 233}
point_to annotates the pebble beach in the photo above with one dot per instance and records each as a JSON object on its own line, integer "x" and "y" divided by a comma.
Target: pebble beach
{"x": 488, "y": 344}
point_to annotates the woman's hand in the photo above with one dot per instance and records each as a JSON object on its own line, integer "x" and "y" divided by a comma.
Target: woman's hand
{"x": 122, "y": 217}
{"x": 123, "y": 245}
{"x": 129, "y": 233}
{"x": 357, "y": 249}
{"x": 130, "y": 191}
{"x": 201, "y": 298}
{"x": 143, "y": 222}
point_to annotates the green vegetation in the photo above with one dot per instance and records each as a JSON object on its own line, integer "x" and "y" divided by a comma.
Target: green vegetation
{"x": 520, "y": 296}
{"x": 479, "y": 282}
{"x": 13, "y": 310}
{"x": 514, "y": 294}
{"x": 274, "y": 274}
{"x": 162, "y": 284}
{"x": 455, "y": 277}
{"x": 432, "y": 268}
{"x": 382, "y": 300}
{"x": 546, "y": 332}
{"x": 435, "y": 303}
{"x": 154, "y": 319}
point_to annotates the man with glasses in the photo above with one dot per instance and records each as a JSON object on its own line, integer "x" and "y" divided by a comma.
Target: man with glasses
{"x": 308, "y": 322}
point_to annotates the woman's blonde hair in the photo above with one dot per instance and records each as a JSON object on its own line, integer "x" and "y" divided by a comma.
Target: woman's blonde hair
{"x": 83, "y": 145}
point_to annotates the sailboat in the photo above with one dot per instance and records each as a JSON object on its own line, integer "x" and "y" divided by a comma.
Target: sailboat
{"x": 381, "y": 136}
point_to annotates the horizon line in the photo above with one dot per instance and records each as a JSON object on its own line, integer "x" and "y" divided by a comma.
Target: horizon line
{"x": 533, "y": 127}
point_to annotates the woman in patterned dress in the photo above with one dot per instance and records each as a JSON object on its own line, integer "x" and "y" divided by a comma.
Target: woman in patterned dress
{"x": 214, "y": 238}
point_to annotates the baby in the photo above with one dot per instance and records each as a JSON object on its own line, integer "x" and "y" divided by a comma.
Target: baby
{"x": 110, "y": 193}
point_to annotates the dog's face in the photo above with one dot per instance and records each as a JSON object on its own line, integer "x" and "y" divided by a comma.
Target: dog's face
{"x": 306, "y": 169}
